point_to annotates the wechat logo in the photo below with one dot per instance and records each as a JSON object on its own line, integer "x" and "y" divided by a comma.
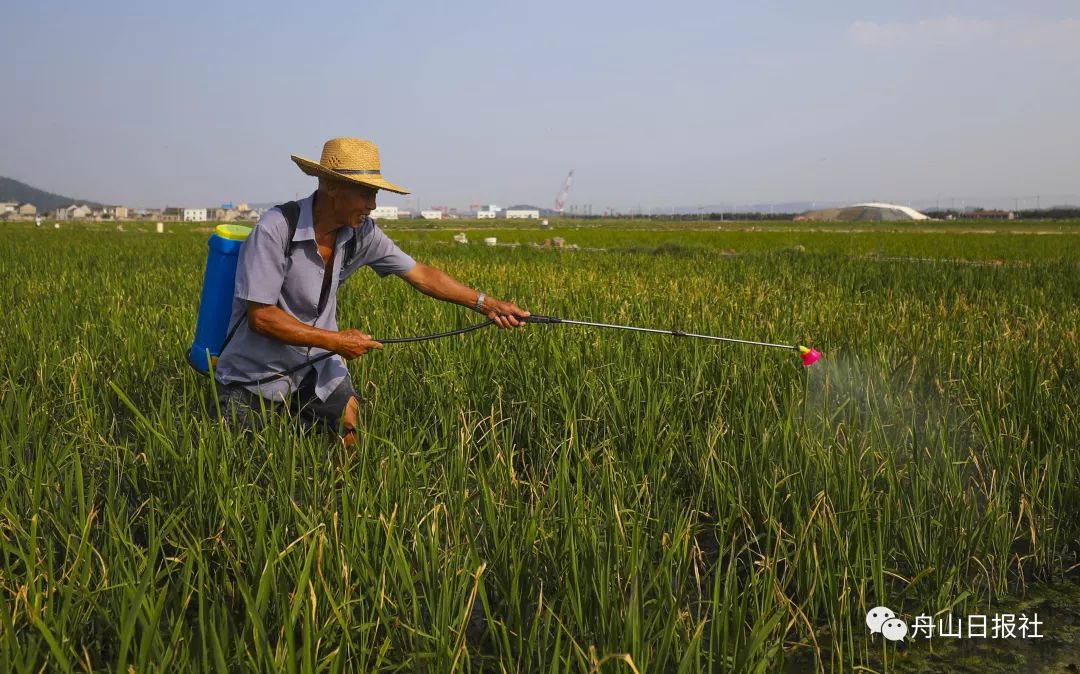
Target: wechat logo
{"x": 881, "y": 620}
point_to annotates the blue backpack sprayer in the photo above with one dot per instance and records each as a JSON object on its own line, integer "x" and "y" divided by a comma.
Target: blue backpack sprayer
{"x": 215, "y": 305}
{"x": 212, "y": 332}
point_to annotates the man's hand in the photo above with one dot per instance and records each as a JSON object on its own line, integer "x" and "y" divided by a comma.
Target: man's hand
{"x": 505, "y": 314}
{"x": 353, "y": 343}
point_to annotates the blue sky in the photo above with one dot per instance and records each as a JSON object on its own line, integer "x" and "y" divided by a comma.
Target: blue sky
{"x": 653, "y": 104}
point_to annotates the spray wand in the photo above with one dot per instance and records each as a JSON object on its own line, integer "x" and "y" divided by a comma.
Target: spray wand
{"x": 809, "y": 356}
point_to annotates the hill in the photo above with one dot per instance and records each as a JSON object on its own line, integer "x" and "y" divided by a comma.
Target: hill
{"x": 13, "y": 190}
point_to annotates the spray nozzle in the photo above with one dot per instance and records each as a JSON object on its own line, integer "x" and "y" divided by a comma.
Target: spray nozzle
{"x": 809, "y": 356}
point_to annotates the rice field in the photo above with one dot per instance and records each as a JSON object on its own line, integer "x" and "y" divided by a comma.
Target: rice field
{"x": 553, "y": 499}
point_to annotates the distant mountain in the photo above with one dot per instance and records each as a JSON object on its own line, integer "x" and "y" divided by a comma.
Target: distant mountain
{"x": 13, "y": 190}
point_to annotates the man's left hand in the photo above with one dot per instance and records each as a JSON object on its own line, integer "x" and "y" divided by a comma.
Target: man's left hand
{"x": 504, "y": 314}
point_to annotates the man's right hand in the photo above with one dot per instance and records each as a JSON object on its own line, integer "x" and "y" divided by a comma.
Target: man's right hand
{"x": 353, "y": 343}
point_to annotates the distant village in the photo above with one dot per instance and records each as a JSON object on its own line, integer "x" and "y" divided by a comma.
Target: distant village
{"x": 10, "y": 210}
{"x": 13, "y": 211}
{"x": 228, "y": 212}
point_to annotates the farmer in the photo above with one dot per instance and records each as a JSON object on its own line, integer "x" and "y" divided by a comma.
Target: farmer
{"x": 285, "y": 304}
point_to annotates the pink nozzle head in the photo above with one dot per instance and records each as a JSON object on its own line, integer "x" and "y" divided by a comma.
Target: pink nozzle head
{"x": 809, "y": 356}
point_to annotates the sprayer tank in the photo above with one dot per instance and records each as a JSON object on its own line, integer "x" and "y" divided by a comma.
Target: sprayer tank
{"x": 215, "y": 306}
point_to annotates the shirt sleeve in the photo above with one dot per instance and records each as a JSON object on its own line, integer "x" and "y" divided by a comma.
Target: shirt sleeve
{"x": 260, "y": 269}
{"x": 379, "y": 252}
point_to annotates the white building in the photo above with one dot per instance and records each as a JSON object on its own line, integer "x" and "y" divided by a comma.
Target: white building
{"x": 8, "y": 207}
{"x": 114, "y": 212}
{"x": 194, "y": 215}
{"x": 485, "y": 215}
{"x": 522, "y": 214}
{"x": 78, "y": 212}
{"x": 385, "y": 213}
{"x": 223, "y": 214}
{"x": 431, "y": 215}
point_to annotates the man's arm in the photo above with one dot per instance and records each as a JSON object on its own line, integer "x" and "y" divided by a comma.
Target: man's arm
{"x": 273, "y": 321}
{"x": 436, "y": 283}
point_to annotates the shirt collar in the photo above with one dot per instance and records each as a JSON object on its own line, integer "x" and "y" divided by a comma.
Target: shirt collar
{"x": 305, "y": 226}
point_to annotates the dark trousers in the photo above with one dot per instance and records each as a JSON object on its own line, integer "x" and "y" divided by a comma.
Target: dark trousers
{"x": 247, "y": 408}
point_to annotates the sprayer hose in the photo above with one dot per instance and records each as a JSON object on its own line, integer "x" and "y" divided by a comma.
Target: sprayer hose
{"x": 392, "y": 340}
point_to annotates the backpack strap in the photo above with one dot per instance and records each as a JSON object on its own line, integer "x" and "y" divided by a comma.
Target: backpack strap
{"x": 350, "y": 245}
{"x": 350, "y": 250}
{"x": 291, "y": 211}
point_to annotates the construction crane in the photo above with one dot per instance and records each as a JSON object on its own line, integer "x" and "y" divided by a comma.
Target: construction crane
{"x": 560, "y": 201}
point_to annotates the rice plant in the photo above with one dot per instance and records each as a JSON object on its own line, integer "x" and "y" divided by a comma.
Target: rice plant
{"x": 553, "y": 499}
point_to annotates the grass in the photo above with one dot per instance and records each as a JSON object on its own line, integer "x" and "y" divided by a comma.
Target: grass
{"x": 553, "y": 499}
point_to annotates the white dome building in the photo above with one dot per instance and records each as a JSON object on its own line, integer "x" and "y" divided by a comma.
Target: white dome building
{"x": 869, "y": 212}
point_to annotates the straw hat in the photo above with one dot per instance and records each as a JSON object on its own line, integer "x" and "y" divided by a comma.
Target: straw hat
{"x": 349, "y": 159}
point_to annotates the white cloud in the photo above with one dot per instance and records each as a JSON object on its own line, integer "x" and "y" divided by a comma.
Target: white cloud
{"x": 1061, "y": 36}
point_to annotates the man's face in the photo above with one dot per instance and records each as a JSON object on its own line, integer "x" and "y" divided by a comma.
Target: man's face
{"x": 353, "y": 202}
